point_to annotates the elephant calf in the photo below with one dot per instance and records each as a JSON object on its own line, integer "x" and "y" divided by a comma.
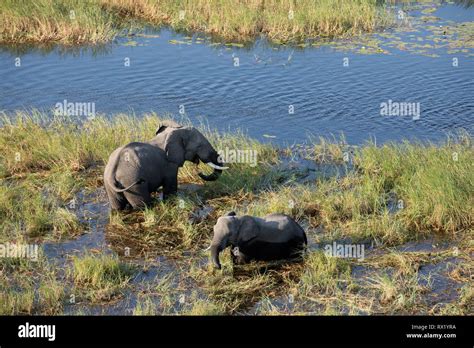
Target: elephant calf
{"x": 274, "y": 237}
{"x": 137, "y": 169}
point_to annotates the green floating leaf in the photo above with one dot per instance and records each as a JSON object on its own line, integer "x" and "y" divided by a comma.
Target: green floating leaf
{"x": 234, "y": 44}
{"x": 179, "y": 42}
{"x": 130, "y": 43}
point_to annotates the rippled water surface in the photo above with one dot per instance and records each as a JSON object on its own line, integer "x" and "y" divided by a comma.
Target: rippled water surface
{"x": 257, "y": 95}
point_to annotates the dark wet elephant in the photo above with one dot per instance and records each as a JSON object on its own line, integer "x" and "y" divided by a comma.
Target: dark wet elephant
{"x": 137, "y": 169}
{"x": 274, "y": 237}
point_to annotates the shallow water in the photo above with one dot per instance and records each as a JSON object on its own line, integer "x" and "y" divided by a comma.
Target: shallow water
{"x": 256, "y": 96}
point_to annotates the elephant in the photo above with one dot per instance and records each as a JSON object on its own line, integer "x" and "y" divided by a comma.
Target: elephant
{"x": 273, "y": 237}
{"x": 136, "y": 170}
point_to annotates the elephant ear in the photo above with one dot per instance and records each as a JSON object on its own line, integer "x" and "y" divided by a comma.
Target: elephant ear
{"x": 165, "y": 124}
{"x": 174, "y": 147}
{"x": 248, "y": 229}
{"x": 160, "y": 129}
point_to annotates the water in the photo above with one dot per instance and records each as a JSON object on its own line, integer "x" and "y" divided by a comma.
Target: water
{"x": 257, "y": 96}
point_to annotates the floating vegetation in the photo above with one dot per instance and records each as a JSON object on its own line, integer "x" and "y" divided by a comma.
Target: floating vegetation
{"x": 130, "y": 43}
{"x": 234, "y": 44}
{"x": 180, "y": 42}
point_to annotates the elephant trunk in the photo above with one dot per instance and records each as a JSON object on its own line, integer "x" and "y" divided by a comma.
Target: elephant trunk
{"x": 215, "y": 251}
{"x": 211, "y": 177}
{"x": 217, "y": 165}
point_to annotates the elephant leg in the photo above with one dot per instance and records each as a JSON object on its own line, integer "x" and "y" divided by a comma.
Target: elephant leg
{"x": 116, "y": 199}
{"x": 170, "y": 186}
{"x": 138, "y": 196}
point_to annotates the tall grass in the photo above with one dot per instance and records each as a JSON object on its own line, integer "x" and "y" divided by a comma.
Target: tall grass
{"x": 280, "y": 21}
{"x": 63, "y": 21}
{"x": 96, "y": 21}
{"x": 398, "y": 192}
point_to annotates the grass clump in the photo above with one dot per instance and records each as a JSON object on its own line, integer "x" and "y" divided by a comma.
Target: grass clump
{"x": 206, "y": 307}
{"x": 29, "y": 287}
{"x": 102, "y": 277}
{"x": 29, "y": 210}
{"x": 63, "y": 21}
{"x": 16, "y": 301}
{"x": 323, "y": 274}
{"x": 145, "y": 307}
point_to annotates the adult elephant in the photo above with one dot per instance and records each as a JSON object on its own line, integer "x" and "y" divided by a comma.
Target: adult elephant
{"x": 274, "y": 237}
{"x": 137, "y": 169}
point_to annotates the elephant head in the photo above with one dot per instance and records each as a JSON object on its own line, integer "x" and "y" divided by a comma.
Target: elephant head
{"x": 188, "y": 144}
{"x": 224, "y": 232}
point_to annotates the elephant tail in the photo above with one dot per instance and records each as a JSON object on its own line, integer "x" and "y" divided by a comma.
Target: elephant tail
{"x": 109, "y": 175}
{"x": 116, "y": 189}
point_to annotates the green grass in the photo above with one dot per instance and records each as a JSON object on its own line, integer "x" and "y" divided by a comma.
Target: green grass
{"x": 145, "y": 307}
{"x": 323, "y": 274}
{"x": 433, "y": 187}
{"x": 98, "y": 21}
{"x": 102, "y": 277}
{"x": 32, "y": 207}
{"x": 43, "y": 21}
{"x": 30, "y": 287}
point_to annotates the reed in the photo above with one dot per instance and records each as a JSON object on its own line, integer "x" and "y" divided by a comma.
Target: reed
{"x": 98, "y": 21}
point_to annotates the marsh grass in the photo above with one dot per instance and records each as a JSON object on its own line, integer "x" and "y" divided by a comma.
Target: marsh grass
{"x": 323, "y": 274}
{"x": 205, "y": 307}
{"x": 58, "y": 157}
{"x": 463, "y": 306}
{"x": 43, "y": 21}
{"x": 16, "y": 301}
{"x": 397, "y": 293}
{"x": 245, "y": 20}
{"x": 98, "y": 21}
{"x": 166, "y": 228}
{"x": 52, "y": 294}
{"x": 429, "y": 186}
{"x": 239, "y": 287}
{"x": 29, "y": 287}
{"x": 31, "y": 208}
{"x": 145, "y": 307}
{"x": 101, "y": 277}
